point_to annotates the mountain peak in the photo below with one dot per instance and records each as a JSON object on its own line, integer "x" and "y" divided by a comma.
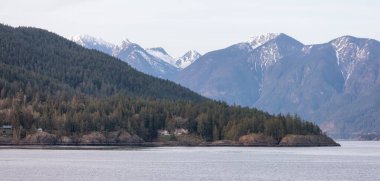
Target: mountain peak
{"x": 79, "y": 38}
{"x": 256, "y": 41}
{"x": 351, "y": 39}
{"x": 193, "y": 52}
{"x": 343, "y": 39}
{"x": 350, "y": 45}
{"x": 349, "y": 52}
{"x": 160, "y": 53}
{"x": 270, "y": 48}
{"x": 93, "y": 43}
{"x": 158, "y": 49}
{"x": 188, "y": 58}
{"x": 82, "y": 37}
{"x": 125, "y": 43}
{"x": 87, "y": 39}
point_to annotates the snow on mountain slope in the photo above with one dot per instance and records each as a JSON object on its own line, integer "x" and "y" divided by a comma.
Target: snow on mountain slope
{"x": 349, "y": 52}
{"x": 84, "y": 39}
{"x": 187, "y": 59}
{"x": 269, "y": 55}
{"x": 182, "y": 62}
{"x": 257, "y": 41}
{"x": 160, "y": 53}
{"x": 270, "y": 48}
{"x": 125, "y": 44}
{"x": 143, "y": 61}
{"x": 334, "y": 83}
{"x": 93, "y": 43}
{"x": 133, "y": 54}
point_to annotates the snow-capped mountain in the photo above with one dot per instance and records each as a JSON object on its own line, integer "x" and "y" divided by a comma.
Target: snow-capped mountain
{"x": 187, "y": 59}
{"x": 235, "y": 74}
{"x": 143, "y": 61}
{"x": 182, "y": 62}
{"x": 349, "y": 52}
{"x": 160, "y": 53}
{"x": 256, "y": 41}
{"x": 93, "y": 43}
{"x": 150, "y": 61}
{"x": 269, "y": 49}
{"x": 335, "y": 84}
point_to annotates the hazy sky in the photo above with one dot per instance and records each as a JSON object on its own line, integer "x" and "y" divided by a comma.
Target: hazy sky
{"x": 204, "y": 25}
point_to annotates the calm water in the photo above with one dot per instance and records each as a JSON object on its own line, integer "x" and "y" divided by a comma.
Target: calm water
{"x": 352, "y": 161}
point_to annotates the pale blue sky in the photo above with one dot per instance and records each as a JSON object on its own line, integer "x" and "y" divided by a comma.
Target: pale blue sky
{"x": 204, "y": 25}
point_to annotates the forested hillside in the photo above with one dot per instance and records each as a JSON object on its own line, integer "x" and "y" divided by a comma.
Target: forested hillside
{"x": 51, "y": 83}
{"x": 34, "y": 54}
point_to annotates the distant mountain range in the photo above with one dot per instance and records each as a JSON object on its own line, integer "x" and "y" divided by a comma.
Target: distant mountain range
{"x": 153, "y": 61}
{"x": 335, "y": 84}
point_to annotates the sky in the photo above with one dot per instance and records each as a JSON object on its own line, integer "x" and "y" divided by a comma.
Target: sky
{"x": 203, "y": 25}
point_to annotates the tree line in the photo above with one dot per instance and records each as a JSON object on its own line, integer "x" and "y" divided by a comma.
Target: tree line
{"x": 77, "y": 115}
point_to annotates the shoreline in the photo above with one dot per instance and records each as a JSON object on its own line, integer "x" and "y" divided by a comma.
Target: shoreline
{"x": 42, "y": 139}
{"x": 143, "y": 145}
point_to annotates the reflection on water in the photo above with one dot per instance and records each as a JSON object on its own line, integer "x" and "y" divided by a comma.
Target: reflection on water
{"x": 352, "y": 161}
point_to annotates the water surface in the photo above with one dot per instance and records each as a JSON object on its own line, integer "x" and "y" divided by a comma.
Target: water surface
{"x": 353, "y": 161}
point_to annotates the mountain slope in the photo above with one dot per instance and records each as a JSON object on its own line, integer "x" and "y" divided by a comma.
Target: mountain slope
{"x": 86, "y": 71}
{"x": 187, "y": 59}
{"x": 143, "y": 61}
{"x": 160, "y": 53}
{"x": 210, "y": 76}
{"x": 328, "y": 83}
{"x": 133, "y": 54}
{"x": 94, "y": 43}
{"x": 235, "y": 74}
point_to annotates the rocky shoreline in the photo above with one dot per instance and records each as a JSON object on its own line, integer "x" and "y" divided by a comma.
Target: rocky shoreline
{"x": 123, "y": 138}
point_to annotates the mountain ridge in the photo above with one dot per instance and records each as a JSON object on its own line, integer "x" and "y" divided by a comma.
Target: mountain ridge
{"x": 285, "y": 75}
{"x": 254, "y": 73}
{"x": 153, "y": 61}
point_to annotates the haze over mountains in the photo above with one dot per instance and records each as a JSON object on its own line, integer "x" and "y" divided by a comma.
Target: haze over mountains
{"x": 335, "y": 84}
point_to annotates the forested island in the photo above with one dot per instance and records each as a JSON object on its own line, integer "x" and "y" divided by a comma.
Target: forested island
{"x": 53, "y": 91}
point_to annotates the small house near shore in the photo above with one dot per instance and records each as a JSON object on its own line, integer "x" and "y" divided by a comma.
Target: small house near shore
{"x": 176, "y": 132}
{"x": 163, "y": 132}
{"x": 181, "y": 131}
{"x": 6, "y": 130}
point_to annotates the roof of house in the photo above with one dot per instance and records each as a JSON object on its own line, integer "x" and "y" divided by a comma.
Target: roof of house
{"x": 7, "y": 127}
